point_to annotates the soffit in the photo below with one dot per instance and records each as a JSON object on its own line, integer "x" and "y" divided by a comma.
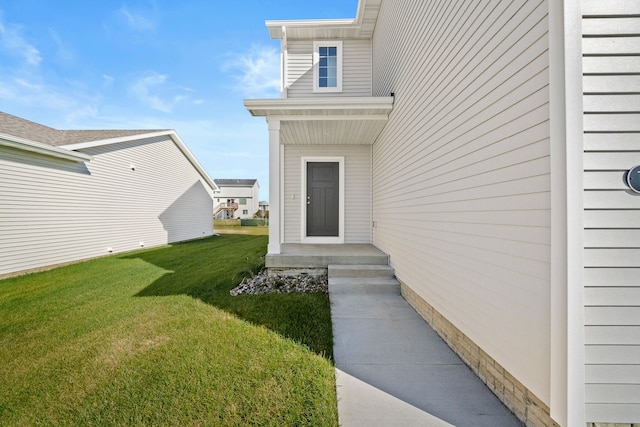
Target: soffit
{"x": 325, "y": 121}
{"x": 330, "y": 132}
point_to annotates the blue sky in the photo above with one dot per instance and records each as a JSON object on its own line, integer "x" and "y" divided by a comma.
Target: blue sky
{"x": 157, "y": 64}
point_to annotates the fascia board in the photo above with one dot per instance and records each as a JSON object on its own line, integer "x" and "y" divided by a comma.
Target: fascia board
{"x": 172, "y": 134}
{"x": 328, "y": 103}
{"x": 40, "y": 148}
{"x": 330, "y": 117}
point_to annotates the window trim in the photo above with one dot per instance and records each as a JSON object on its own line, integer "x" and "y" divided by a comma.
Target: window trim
{"x": 316, "y": 60}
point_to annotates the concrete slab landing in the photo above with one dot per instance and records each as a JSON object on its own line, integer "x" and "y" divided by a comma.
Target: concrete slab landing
{"x": 295, "y": 255}
{"x": 392, "y": 369}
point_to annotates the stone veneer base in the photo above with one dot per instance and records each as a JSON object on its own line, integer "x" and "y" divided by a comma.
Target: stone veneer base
{"x": 515, "y": 396}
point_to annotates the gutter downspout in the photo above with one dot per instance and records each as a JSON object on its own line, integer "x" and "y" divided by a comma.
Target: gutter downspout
{"x": 567, "y": 382}
{"x": 283, "y": 63}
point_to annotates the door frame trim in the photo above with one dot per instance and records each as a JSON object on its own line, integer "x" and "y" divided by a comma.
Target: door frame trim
{"x": 303, "y": 200}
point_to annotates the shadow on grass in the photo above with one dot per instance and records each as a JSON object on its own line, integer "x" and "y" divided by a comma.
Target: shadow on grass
{"x": 208, "y": 269}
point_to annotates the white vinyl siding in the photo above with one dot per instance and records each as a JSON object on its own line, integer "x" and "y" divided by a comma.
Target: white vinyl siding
{"x": 611, "y": 66}
{"x": 461, "y": 184}
{"x": 357, "y": 164}
{"x": 55, "y": 211}
{"x": 356, "y": 69}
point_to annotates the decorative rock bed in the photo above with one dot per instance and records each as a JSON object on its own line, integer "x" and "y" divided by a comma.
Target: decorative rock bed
{"x": 263, "y": 283}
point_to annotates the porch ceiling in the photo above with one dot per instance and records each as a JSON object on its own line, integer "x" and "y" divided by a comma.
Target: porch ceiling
{"x": 325, "y": 121}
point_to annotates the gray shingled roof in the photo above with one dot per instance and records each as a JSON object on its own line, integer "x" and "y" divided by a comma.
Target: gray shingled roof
{"x": 235, "y": 182}
{"x": 36, "y": 132}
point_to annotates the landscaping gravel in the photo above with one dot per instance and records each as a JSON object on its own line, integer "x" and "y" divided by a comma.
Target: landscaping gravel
{"x": 264, "y": 284}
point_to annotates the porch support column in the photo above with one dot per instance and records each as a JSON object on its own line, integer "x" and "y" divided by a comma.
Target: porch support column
{"x": 275, "y": 217}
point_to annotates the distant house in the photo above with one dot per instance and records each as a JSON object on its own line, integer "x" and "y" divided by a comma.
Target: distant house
{"x": 67, "y": 195}
{"x": 485, "y": 146}
{"x": 264, "y": 207}
{"x": 237, "y": 198}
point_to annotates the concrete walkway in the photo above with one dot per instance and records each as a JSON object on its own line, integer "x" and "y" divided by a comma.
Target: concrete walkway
{"x": 392, "y": 369}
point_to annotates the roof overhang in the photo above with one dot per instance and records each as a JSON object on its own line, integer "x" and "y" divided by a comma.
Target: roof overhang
{"x": 361, "y": 26}
{"x": 325, "y": 121}
{"x": 44, "y": 149}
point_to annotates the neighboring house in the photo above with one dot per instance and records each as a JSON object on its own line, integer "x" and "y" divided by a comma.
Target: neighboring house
{"x": 264, "y": 208}
{"x": 484, "y": 146}
{"x": 67, "y": 195}
{"x": 237, "y": 198}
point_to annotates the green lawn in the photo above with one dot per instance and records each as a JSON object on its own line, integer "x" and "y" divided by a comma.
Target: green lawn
{"x": 154, "y": 338}
{"x": 258, "y": 230}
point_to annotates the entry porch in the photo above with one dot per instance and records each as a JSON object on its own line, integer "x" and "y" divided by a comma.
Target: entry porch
{"x": 298, "y": 256}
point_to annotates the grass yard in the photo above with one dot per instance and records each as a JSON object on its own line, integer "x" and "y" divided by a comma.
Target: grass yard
{"x": 258, "y": 230}
{"x": 154, "y": 338}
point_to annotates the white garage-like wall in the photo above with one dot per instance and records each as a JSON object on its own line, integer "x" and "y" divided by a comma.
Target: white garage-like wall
{"x": 132, "y": 193}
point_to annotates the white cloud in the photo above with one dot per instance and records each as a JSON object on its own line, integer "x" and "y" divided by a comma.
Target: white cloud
{"x": 22, "y": 91}
{"x": 12, "y": 41}
{"x": 138, "y": 20}
{"x": 143, "y": 88}
{"x": 154, "y": 91}
{"x": 34, "y": 97}
{"x": 107, "y": 81}
{"x": 258, "y": 71}
{"x": 28, "y": 85}
{"x": 64, "y": 53}
{"x": 81, "y": 114}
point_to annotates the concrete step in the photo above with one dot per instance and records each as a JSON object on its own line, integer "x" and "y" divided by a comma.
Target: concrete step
{"x": 363, "y": 287}
{"x": 361, "y": 271}
{"x": 362, "y": 279}
{"x": 321, "y": 260}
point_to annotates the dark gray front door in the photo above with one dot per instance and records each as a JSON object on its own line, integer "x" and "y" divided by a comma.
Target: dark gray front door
{"x": 322, "y": 198}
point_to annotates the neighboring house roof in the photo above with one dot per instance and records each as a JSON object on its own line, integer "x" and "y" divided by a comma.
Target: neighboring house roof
{"x": 26, "y": 135}
{"x": 235, "y": 182}
{"x": 33, "y": 131}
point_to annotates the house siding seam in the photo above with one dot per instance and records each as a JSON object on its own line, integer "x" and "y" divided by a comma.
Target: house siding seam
{"x": 356, "y": 69}
{"x": 611, "y": 68}
{"x": 461, "y": 182}
{"x": 54, "y": 211}
{"x": 357, "y": 190}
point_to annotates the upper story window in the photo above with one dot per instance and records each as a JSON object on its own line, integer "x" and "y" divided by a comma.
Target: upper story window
{"x": 327, "y": 70}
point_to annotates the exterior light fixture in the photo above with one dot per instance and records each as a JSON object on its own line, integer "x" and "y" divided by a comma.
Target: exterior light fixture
{"x": 633, "y": 178}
